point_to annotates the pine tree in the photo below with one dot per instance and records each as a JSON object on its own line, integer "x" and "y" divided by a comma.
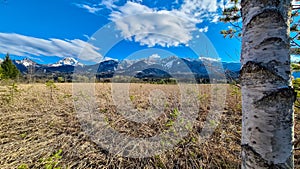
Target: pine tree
{"x": 9, "y": 70}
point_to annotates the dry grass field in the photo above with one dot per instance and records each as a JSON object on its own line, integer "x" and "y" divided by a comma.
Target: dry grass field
{"x": 40, "y": 128}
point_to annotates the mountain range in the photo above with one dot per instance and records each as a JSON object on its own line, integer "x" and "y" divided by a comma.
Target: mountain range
{"x": 141, "y": 68}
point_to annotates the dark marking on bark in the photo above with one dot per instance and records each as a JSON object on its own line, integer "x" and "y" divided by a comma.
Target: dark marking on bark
{"x": 247, "y": 5}
{"x": 243, "y": 5}
{"x": 260, "y": 72}
{"x": 269, "y": 41}
{"x": 287, "y": 92}
{"x": 258, "y": 129}
{"x": 275, "y": 62}
{"x": 243, "y": 2}
{"x": 255, "y": 116}
{"x": 250, "y": 157}
{"x": 259, "y": 20}
{"x": 249, "y": 129}
{"x": 275, "y": 3}
{"x": 278, "y": 105}
{"x": 251, "y": 67}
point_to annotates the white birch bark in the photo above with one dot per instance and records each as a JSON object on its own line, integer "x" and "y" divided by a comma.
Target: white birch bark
{"x": 267, "y": 96}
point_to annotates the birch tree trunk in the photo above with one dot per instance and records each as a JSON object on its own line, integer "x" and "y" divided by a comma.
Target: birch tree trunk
{"x": 267, "y": 95}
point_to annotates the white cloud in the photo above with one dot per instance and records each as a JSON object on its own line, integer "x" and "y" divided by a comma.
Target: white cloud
{"x": 215, "y": 19}
{"x": 202, "y": 6}
{"x": 156, "y": 29}
{"x": 205, "y": 29}
{"x": 21, "y": 45}
{"x": 154, "y": 57}
{"x": 91, "y": 9}
{"x": 109, "y": 4}
{"x": 89, "y": 38}
{"x": 153, "y": 26}
{"x": 164, "y": 28}
{"x": 209, "y": 59}
{"x": 108, "y": 58}
{"x": 86, "y": 36}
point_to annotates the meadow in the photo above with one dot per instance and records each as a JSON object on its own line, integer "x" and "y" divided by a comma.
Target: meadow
{"x": 41, "y": 128}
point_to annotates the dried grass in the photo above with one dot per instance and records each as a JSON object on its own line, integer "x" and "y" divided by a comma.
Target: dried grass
{"x": 33, "y": 127}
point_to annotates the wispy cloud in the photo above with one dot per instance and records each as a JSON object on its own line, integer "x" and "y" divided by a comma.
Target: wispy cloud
{"x": 153, "y": 26}
{"x": 22, "y": 45}
{"x": 154, "y": 56}
{"x": 209, "y": 59}
{"x": 89, "y": 38}
{"x": 205, "y": 29}
{"x": 91, "y": 9}
{"x": 164, "y": 28}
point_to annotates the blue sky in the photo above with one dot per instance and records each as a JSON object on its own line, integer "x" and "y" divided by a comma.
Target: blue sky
{"x": 93, "y": 30}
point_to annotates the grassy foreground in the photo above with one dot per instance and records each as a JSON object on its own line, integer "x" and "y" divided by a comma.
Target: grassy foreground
{"x": 39, "y": 128}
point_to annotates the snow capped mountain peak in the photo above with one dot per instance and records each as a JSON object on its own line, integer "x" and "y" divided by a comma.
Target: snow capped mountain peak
{"x": 67, "y": 61}
{"x": 108, "y": 59}
{"x": 1, "y": 60}
{"x": 26, "y": 62}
